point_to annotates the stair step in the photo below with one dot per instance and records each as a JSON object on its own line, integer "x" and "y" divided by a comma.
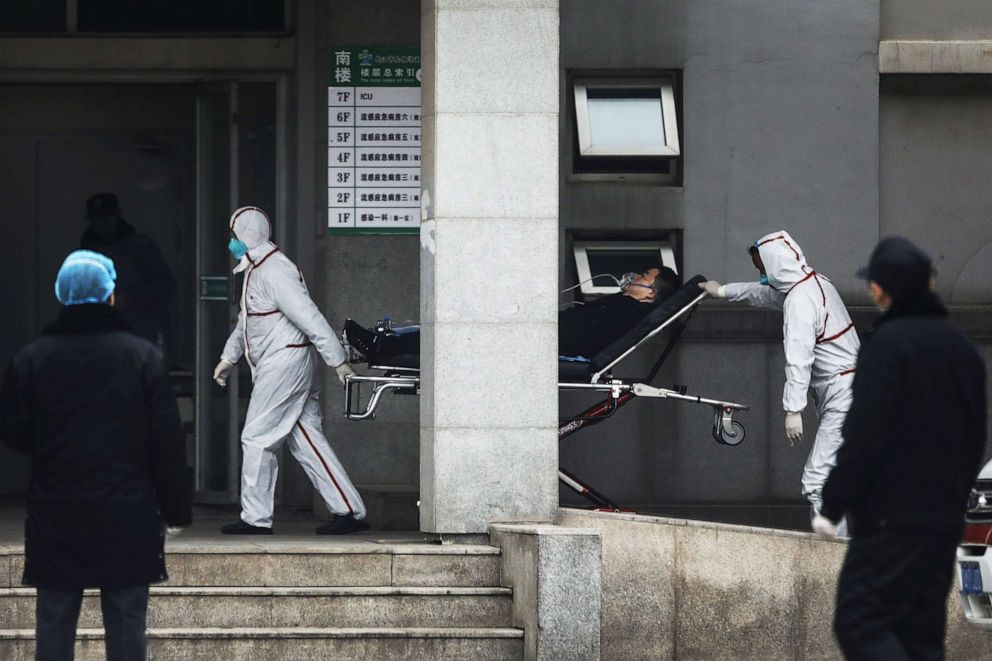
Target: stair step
{"x": 298, "y": 643}
{"x": 287, "y": 563}
{"x": 222, "y": 607}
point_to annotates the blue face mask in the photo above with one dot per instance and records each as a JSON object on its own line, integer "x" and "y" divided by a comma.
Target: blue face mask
{"x": 763, "y": 279}
{"x": 238, "y": 248}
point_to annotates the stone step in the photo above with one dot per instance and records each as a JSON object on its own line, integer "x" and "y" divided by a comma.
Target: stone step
{"x": 296, "y": 564}
{"x": 406, "y": 607}
{"x": 298, "y": 644}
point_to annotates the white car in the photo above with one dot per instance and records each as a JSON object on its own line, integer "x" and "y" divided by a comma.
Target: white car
{"x": 975, "y": 553}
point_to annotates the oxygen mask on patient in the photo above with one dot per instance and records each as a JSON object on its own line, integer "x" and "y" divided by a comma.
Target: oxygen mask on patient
{"x": 643, "y": 292}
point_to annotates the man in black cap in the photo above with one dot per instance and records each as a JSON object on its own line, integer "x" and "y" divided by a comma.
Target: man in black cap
{"x": 144, "y": 281}
{"x": 913, "y": 444}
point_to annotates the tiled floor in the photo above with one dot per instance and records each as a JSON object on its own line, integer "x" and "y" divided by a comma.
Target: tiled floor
{"x": 291, "y": 528}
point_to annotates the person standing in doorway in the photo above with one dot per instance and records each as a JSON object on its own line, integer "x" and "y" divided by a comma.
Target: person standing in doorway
{"x": 145, "y": 284}
{"x": 821, "y": 347}
{"x": 91, "y": 404}
{"x": 913, "y": 445}
{"x": 281, "y": 333}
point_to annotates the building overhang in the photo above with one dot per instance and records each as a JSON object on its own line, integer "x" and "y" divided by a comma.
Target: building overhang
{"x": 896, "y": 57}
{"x": 96, "y": 55}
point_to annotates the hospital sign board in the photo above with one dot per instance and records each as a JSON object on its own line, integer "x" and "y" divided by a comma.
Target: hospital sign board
{"x": 373, "y": 140}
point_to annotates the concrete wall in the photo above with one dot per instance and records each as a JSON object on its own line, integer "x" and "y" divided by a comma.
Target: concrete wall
{"x": 680, "y": 589}
{"x": 935, "y": 148}
{"x": 366, "y": 277}
{"x": 945, "y": 20}
{"x": 779, "y": 129}
{"x": 779, "y": 126}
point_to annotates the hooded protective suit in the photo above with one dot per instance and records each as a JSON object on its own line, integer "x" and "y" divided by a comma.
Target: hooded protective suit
{"x": 280, "y": 332}
{"x": 821, "y": 346}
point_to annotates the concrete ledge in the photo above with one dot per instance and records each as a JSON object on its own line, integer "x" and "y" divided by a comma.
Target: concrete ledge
{"x": 146, "y": 53}
{"x": 555, "y": 574}
{"x": 684, "y": 589}
{"x": 935, "y": 57}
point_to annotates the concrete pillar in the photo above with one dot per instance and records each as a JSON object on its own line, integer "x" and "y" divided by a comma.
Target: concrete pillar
{"x": 556, "y": 576}
{"x": 489, "y": 255}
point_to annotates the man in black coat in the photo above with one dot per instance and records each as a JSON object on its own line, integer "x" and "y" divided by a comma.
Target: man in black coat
{"x": 145, "y": 285}
{"x": 92, "y": 406}
{"x": 913, "y": 444}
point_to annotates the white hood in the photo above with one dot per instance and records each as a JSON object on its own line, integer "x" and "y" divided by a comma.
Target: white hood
{"x": 785, "y": 263}
{"x": 251, "y": 225}
{"x": 986, "y": 472}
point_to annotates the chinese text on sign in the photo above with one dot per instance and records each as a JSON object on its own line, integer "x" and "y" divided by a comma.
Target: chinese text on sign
{"x": 373, "y": 155}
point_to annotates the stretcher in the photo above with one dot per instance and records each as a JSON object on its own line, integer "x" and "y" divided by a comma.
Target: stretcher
{"x": 399, "y": 373}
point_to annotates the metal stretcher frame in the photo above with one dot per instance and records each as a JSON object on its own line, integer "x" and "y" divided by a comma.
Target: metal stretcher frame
{"x": 619, "y": 392}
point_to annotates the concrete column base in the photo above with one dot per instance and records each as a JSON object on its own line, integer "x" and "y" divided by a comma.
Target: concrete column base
{"x": 555, "y": 574}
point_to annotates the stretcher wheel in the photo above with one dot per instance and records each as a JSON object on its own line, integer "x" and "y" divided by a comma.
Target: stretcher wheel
{"x": 724, "y": 438}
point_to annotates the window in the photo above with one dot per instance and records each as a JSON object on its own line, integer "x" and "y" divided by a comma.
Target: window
{"x": 595, "y": 258}
{"x": 32, "y": 16}
{"x": 624, "y": 126}
{"x": 632, "y": 117}
{"x": 181, "y": 16}
{"x": 147, "y": 16}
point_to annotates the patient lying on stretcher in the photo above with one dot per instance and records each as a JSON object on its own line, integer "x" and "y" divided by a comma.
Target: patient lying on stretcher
{"x": 583, "y": 330}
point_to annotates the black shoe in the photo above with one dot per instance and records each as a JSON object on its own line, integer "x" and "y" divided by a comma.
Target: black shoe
{"x": 242, "y": 528}
{"x": 342, "y": 525}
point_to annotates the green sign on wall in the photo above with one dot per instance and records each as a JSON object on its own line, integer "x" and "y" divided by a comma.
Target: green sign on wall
{"x": 373, "y": 153}
{"x": 375, "y": 66}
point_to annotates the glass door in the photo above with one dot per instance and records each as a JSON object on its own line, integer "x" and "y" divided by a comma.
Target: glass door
{"x": 218, "y": 410}
{"x": 236, "y": 165}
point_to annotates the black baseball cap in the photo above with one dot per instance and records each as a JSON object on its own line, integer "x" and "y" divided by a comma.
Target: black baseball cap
{"x": 102, "y": 205}
{"x": 902, "y": 269}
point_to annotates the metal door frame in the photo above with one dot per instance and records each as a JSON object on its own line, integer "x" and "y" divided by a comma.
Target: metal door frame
{"x": 282, "y": 186}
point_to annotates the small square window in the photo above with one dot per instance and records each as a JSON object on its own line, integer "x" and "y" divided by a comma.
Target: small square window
{"x": 595, "y": 261}
{"x": 626, "y": 117}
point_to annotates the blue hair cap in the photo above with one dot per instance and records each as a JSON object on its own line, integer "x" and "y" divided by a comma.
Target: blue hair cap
{"x": 85, "y": 277}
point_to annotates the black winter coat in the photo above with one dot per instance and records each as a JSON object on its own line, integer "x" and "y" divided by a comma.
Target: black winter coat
{"x": 915, "y": 433}
{"x": 92, "y": 406}
{"x": 585, "y": 330}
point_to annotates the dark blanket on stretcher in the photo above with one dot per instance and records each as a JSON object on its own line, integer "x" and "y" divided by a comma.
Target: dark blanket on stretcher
{"x": 403, "y": 351}
{"x": 585, "y": 330}
{"x": 659, "y": 314}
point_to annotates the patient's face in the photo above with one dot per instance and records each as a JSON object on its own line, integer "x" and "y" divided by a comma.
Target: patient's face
{"x": 642, "y": 287}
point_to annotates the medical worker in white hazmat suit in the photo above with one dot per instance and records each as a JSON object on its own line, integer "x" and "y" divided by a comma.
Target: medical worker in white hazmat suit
{"x": 821, "y": 347}
{"x": 280, "y": 332}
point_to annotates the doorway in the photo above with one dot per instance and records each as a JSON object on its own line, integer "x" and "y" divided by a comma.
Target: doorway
{"x": 180, "y": 157}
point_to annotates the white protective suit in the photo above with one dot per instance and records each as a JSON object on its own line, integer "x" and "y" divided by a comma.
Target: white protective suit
{"x": 280, "y": 332}
{"x": 821, "y": 346}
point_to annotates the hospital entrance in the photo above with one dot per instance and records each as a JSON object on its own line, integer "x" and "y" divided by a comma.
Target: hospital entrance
{"x": 179, "y": 157}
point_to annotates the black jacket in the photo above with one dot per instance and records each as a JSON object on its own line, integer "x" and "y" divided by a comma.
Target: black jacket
{"x": 92, "y": 406}
{"x": 585, "y": 330}
{"x": 144, "y": 282}
{"x": 915, "y": 433}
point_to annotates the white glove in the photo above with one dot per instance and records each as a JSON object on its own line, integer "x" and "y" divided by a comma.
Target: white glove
{"x": 824, "y": 527}
{"x": 222, "y": 371}
{"x": 171, "y": 531}
{"x": 794, "y": 427}
{"x": 713, "y": 289}
{"x": 343, "y": 370}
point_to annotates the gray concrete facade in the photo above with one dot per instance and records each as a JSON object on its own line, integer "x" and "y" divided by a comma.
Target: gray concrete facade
{"x": 488, "y": 403}
{"x": 785, "y": 123}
